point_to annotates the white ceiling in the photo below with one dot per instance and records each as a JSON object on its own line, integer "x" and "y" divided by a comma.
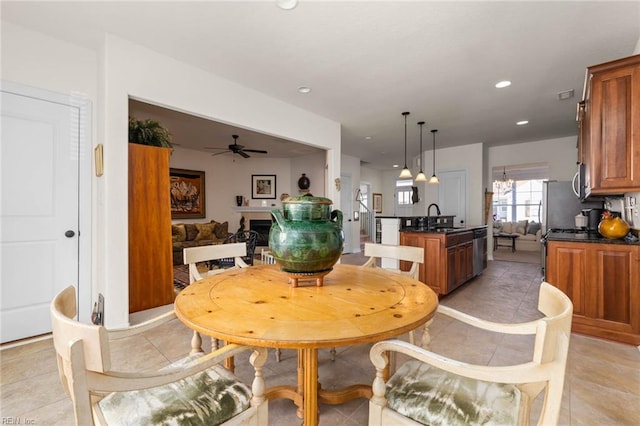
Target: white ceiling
{"x": 368, "y": 61}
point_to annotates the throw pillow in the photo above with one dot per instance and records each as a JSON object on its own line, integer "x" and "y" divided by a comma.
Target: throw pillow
{"x": 533, "y": 228}
{"x": 498, "y": 226}
{"x": 192, "y": 231}
{"x": 205, "y": 231}
{"x": 222, "y": 230}
{"x": 178, "y": 233}
{"x": 507, "y": 227}
{"x": 521, "y": 227}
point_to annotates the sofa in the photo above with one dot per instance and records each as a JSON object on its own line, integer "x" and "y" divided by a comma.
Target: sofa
{"x": 196, "y": 234}
{"x": 529, "y": 233}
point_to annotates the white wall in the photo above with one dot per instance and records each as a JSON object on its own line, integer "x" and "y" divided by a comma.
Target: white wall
{"x": 132, "y": 70}
{"x": 122, "y": 69}
{"x": 313, "y": 166}
{"x": 560, "y": 154}
{"x": 37, "y": 60}
{"x": 226, "y": 177}
{"x": 351, "y": 167}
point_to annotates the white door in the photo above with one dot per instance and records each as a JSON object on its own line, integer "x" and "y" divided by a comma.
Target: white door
{"x": 346, "y": 205}
{"x": 452, "y": 195}
{"x": 39, "y": 210}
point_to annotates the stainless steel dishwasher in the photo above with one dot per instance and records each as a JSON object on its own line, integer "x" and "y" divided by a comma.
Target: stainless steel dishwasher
{"x": 479, "y": 251}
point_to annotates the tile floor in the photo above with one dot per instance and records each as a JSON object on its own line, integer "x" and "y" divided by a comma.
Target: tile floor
{"x": 602, "y": 384}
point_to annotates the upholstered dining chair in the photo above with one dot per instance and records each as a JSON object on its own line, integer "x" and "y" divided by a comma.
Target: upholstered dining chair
{"x": 433, "y": 389}
{"x": 195, "y": 390}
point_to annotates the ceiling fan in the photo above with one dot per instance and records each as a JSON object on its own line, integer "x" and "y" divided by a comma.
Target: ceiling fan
{"x": 238, "y": 149}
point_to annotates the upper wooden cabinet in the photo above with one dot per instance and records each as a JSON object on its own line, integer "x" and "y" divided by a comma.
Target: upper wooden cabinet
{"x": 610, "y": 127}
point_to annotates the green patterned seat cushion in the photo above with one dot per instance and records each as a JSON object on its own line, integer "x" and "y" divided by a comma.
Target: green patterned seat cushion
{"x": 432, "y": 396}
{"x": 207, "y": 398}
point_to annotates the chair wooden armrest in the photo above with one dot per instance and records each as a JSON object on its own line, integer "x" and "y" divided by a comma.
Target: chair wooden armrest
{"x": 521, "y": 328}
{"x": 121, "y": 381}
{"x": 120, "y": 333}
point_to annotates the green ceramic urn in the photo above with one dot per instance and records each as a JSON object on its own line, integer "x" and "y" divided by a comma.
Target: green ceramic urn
{"x": 306, "y": 237}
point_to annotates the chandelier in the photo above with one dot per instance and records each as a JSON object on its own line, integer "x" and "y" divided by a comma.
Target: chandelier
{"x": 504, "y": 185}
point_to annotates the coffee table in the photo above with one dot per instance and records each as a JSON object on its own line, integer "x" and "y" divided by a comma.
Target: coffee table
{"x": 505, "y": 236}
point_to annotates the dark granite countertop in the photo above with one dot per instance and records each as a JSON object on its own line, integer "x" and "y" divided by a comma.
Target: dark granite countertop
{"x": 588, "y": 237}
{"x": 443, "y": 230}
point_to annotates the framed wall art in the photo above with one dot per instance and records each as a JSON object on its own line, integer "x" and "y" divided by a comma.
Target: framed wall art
{"x": 377, "y": 203}
{"x": 187, "y": 194}
{"x": 263, "y": 187}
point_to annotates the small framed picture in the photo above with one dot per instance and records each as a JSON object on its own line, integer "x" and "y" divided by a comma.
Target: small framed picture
{"x": 263, "y": 187}
{"x": 377, "y": 203}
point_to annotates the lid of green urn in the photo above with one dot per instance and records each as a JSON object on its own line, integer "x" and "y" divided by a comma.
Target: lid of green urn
{"x": 306, "y": 199}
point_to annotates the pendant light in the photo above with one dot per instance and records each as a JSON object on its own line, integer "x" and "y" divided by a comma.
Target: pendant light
{"x": 405, "y": 173}
{"x": 421, "y": 177}
{"x": 434, "y": 178}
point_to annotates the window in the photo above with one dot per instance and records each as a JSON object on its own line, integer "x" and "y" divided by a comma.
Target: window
{"x": 404, "y": 192}
{"x": 521, "y": 201}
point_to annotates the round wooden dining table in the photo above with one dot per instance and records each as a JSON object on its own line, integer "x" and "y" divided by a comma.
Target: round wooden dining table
{"x": 256, "y": 306}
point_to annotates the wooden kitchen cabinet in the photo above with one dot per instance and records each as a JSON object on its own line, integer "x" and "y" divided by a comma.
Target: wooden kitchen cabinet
{"x": 448, "y": 258}
{"x": 603, "y": 282}
{"x": 610, "y": 127}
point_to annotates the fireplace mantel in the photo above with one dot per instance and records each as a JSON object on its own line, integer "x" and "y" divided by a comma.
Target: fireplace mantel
{"x": 254, "y": 209}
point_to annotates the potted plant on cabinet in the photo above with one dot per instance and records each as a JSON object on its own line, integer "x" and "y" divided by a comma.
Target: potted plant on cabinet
{"x": 148, "y": 132}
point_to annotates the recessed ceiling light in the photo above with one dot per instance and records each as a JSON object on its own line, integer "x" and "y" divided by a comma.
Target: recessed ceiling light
{"x": 304, "y": 89}
{"x": 367, "y": 138}
{"x": 396, "y": 165}
{"x": 287, "y": 4}
{"x": 503, "y": 83}
{"x": 522, "y": 123}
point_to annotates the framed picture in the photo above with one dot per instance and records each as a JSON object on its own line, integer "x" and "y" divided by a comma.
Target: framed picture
{"x": 263, "y": 187}
{"x": 187, "y": 194}
{"x": 377, "y": 203}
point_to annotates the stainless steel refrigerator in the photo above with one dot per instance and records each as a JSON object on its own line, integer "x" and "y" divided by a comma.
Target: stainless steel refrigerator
{"x": 560, "y": 205}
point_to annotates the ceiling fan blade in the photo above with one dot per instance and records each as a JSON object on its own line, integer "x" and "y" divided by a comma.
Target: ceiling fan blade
{"x": 244, "y": 154}
{"x": 220, "y": 153}
{"x": 210, "y": 147}
{"x": 259, "y": 151}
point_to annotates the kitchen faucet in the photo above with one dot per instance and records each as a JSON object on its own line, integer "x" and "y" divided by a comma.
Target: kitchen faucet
{"x": 429, "y": 209}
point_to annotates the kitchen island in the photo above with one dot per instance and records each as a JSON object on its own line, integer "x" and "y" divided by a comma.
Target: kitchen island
{"x": 602, "y": 279}
{"x": 448, "y": 255}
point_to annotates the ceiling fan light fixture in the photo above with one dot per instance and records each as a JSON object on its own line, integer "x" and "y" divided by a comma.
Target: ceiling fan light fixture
{"x": 405, "y": 173}
{"x": 434, "y": 179}
{"x": 421, "y": 177}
